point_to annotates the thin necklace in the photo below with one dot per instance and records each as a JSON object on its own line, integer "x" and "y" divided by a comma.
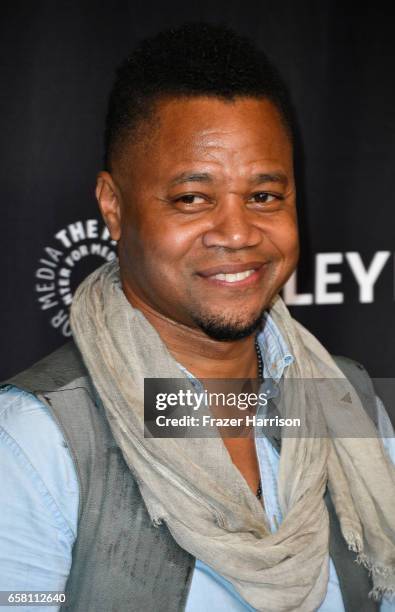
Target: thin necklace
{"x": 260, "y": 361}
{"x": 260, "y": 378}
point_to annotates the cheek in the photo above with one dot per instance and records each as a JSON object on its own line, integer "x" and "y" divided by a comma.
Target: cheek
{"x": 168, "y": 242}
{"x": 283, "y": 235}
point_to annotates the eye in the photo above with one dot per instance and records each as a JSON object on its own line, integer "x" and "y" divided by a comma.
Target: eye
{"x": 263, "y": 197}
{"x": 262, "y": 200}
{"x": 190, "y": 199}
{"x": 191, "y": 203}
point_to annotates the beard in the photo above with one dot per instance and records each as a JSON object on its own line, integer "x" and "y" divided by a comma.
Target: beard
{"x": 219, "y": 327}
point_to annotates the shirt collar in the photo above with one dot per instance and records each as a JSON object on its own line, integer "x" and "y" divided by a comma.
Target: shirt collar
{"x": 275, "y": 352}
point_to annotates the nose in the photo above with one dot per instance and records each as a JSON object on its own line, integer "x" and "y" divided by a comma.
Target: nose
{"x": 233, "y": 226}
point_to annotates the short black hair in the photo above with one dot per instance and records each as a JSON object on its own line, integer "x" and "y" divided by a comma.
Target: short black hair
{"x": 192, "y": 60}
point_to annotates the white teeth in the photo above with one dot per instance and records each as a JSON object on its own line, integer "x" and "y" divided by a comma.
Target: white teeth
{"x": 233, "y": 278}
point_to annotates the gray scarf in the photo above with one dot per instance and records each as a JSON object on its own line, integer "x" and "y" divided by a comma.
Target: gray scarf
{"x": 193, "y": 486}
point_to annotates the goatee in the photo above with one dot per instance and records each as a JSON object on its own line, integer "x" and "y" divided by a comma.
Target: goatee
{"x": 227, "y": 331}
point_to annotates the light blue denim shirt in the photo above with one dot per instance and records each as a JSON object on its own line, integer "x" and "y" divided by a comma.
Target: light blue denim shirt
{"x": 39, "y": 499}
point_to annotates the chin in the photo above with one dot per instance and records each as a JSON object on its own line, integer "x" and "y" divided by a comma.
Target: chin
{"x": 226, "y": 328}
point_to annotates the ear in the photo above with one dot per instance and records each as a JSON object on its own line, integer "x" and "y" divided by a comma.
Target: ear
{"x": 108, "y": 197}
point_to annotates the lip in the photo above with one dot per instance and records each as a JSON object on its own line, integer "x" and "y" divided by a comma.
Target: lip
{"x": 231, "y": 268}
{"x": 208, "y": 274}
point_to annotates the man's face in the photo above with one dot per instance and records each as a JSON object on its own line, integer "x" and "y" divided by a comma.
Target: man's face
{"x": 208, "y": 230}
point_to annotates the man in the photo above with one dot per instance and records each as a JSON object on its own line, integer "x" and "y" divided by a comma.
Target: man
{"x": 199, "y": 193}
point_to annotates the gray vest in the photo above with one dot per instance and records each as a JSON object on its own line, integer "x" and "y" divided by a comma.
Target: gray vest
{"x": 121, "y": 562}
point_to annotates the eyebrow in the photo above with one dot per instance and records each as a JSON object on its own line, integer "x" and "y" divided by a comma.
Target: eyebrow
{"x": 263, "y": 177}
{"x": 205, "y": 177}
{"x": 190, "y": 177}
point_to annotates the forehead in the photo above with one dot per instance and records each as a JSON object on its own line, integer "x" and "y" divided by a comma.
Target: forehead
{"x": 239, "y": 133}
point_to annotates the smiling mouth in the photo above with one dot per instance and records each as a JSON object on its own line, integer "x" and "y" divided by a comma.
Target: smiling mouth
{"x": 233, "y": 278}
{"x": 234, "y": 274}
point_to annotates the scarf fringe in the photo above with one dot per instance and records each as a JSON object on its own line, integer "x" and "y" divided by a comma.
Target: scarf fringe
{"x": 354, "y": 543}
{"x": 379, "y": 592}
{"x": 375, "y": 569}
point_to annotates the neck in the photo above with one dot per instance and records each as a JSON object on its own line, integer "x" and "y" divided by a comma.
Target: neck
{"x": 203, "y": 356}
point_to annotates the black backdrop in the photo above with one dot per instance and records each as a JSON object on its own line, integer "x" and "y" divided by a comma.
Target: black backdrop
{"x": 58, "y": 65}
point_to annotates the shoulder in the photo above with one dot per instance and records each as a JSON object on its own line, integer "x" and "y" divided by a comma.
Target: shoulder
{"x": 26, "y": 419}
{"x": 55, "y": 370}
{"x": 367, "y": 391}
{"x": 369, "y": 395}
